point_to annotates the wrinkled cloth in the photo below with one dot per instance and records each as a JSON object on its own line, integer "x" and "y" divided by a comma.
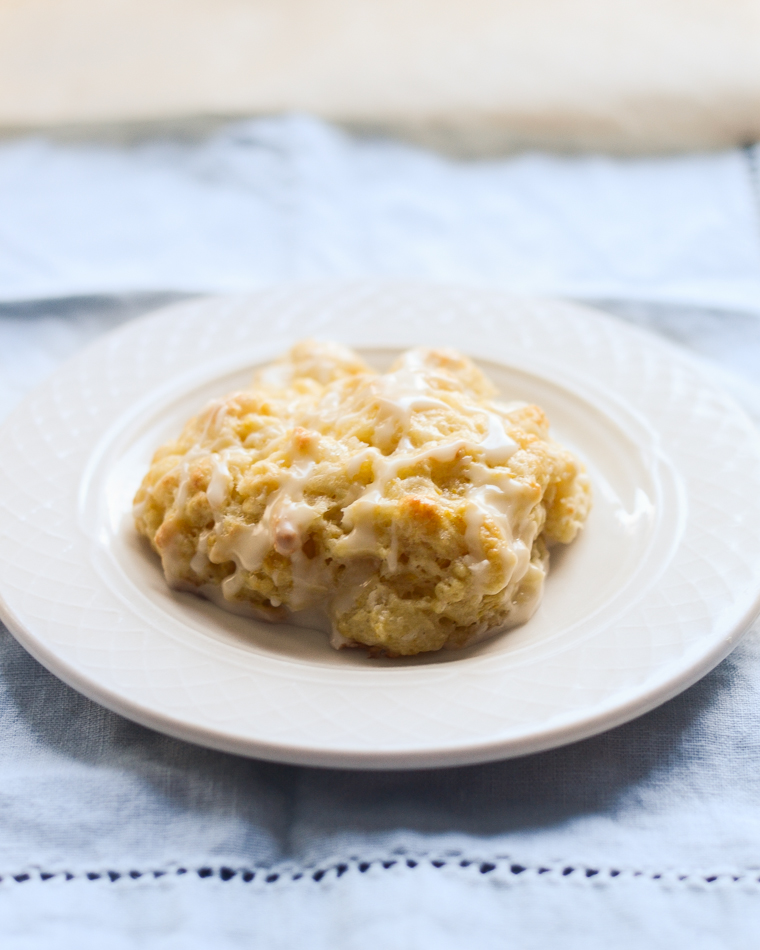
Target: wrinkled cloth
{"x": 114, "y": 835}
{"x": 294, "y": 199}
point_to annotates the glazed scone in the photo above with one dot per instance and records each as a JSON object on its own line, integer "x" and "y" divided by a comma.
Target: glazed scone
{"x": 410, "y": 508}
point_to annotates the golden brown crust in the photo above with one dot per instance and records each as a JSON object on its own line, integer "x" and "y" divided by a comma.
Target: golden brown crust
{"x": 410, "y": 507}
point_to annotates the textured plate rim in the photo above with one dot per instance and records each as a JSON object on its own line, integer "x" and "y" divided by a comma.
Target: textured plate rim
{"x": 621, "y": 708}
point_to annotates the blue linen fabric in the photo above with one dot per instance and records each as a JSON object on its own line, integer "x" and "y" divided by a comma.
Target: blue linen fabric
{"x": 291, "y": 198}
{"x": 114, "y": 835}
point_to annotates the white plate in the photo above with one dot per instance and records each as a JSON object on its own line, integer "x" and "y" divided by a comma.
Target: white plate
{"x": 655, "y": 592}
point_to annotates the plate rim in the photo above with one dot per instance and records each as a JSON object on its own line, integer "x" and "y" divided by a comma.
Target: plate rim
{"x": 465, "y": 752}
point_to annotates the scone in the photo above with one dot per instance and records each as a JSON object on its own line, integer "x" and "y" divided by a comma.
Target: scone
{"x": 410, "y": 508}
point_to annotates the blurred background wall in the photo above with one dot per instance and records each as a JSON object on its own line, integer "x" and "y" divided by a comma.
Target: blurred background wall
{"x": 473, "y": 76}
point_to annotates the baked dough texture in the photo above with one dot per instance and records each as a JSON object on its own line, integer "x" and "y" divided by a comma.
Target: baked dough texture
{"x": 410, "y": 508}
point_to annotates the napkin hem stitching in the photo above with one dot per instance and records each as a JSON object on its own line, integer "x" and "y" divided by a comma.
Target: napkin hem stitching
{"x": 499, "y": 867}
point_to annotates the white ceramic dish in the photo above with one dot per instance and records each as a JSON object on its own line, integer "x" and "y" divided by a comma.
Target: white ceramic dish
{"x": 656, "y": 591}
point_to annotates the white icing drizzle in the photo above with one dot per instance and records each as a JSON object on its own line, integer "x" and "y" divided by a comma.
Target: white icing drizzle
{"x": 490, "y": 494}
{"x": 395, "y": 400}
{"x": 219, "y": 485}
{"x": 498, "y": 448}
{"x": 283, "y": 528}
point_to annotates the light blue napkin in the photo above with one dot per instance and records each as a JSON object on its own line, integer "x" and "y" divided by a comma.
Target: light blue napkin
{"x": 115, "y": 836}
